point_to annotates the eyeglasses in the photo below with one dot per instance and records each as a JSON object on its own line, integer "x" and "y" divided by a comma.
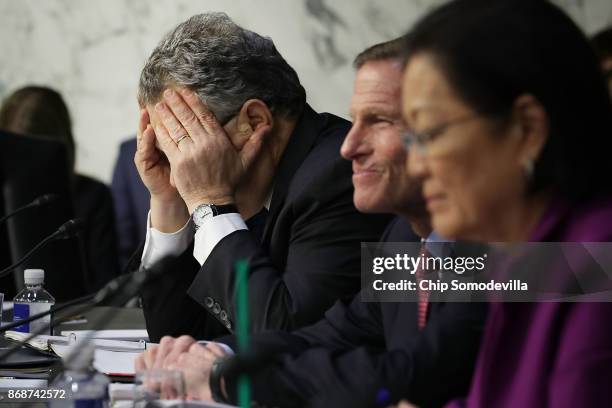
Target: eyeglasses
{"x": 422, "y": 141}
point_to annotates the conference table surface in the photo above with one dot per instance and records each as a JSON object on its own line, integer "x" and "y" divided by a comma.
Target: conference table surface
{"x": 113, "y": 318}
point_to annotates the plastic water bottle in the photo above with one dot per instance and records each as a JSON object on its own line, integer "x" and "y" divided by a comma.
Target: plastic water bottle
{"x": 83, "y": 386}
{"x": 32, "y": 300}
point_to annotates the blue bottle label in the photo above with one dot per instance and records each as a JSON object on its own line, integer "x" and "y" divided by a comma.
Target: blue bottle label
{"x": 21, "y": 312}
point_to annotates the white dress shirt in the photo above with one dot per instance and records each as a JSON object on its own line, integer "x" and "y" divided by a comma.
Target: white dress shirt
{"x": 159, "y": 245}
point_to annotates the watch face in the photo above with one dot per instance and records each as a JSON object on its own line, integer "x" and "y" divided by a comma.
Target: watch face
{"x": 202, "y": 212}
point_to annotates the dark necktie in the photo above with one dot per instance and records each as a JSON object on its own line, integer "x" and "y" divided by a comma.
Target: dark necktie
{"x": 257, "y": 224}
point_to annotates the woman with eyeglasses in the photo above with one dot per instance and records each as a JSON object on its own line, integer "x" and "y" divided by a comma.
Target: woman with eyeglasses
{"x": 510, "y": 126}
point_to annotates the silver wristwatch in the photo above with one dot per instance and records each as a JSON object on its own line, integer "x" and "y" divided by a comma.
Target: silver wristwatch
{"x": 205, "y": 211}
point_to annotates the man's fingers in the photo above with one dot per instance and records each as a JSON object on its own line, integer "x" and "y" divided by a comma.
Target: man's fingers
{"x": 143, "y": 121}
{"x": 139, "y": 363}
{"x": 179, "y": 346}
{"x": 145, "y": 359}
{"x": 189, "y": 360}
{"x": 216, "y": 349}
{"x": 165, "y": 347}
{"x": 165, "y": 142}
{"x": 146, "y": 145}
{"x": 150, "y": 356}
{"x": 199, "y": 350}
{"x": 183, "y": 114}
{"x": 205, "y": 117}
{"x": 175, "y": 128}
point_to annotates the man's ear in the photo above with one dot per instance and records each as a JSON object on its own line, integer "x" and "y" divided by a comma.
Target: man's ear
{"x": 533, "y": 123}
{"x": 254, "y": 117}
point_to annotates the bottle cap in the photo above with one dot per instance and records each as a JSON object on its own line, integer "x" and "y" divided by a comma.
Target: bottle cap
{"x": 34, "y": 276}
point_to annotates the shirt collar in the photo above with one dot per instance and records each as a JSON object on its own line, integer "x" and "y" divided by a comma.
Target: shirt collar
{"x": 268, "y": 200}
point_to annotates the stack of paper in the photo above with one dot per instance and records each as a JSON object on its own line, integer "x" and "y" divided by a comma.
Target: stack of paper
{"x": 39, "y": 342}
{"x": 126, "y": 335}
{"x": 115, "y": 363}
{"x": 116, "y": 350}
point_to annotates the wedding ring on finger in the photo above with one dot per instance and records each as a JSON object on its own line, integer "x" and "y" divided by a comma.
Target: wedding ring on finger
{"x": 180, "y": 139}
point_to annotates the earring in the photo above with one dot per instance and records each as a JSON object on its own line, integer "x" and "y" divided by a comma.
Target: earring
{"x": 528, "y": 169}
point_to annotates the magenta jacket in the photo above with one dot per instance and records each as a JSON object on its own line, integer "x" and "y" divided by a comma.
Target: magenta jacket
{"x": 557, "y": 355}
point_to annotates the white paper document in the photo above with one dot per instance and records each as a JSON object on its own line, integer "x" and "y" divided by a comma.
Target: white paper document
{"x": 127, "y": 335}
{"x": 118, "y": 363}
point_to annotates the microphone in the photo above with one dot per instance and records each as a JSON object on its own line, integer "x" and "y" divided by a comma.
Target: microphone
{"x": 70, "y": 228}
{"x": 66, "y": 230}
{"x": 37, "y": 202}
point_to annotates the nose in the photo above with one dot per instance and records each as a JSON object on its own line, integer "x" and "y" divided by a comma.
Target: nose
{"x": 354, "y": 143}
{"x": 416, "y": 163}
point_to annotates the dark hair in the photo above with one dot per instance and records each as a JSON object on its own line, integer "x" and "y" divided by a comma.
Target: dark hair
{"x": 602, "y": 42}
{"x": 38, "y": 111}
{"x": 381, "y": 51}
{"x": 494, "y": 51}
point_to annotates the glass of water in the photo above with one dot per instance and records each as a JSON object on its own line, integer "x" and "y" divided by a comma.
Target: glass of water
{"x": 158, "y": 384}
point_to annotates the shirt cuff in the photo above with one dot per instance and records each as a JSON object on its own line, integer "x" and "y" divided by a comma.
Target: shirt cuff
{"x": 159, "y": 245}
{"x": 212, "y": 231}
{"x": 228, "y": 350}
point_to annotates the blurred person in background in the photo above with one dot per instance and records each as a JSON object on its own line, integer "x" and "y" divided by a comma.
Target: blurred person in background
{"x": 602, "y": 42}
{"x": 41, "y": 111}
{"x": 131, "y": 202}
{"x": 511, "y": 144}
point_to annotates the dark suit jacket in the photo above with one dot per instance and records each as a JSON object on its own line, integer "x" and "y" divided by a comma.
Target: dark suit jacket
{"x": 94, "y": 205}
{"x": 308, "y": 257}
{"x": 131, "y": 201}
{"x": 360, "y": 348}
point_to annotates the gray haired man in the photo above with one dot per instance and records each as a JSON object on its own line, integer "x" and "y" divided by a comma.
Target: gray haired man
{"x": 240, "y": 167}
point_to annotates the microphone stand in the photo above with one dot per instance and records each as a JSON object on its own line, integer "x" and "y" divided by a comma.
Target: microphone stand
{"x": 37, "y": 202}
{"x": 66, "y": 230}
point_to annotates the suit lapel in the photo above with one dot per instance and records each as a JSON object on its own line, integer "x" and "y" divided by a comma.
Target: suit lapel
{"x": 300, "y": 143}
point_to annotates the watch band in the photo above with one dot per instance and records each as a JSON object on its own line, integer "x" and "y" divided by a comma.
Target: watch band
{"x": 214, "y": 380}
{"x": 223, "y": 209}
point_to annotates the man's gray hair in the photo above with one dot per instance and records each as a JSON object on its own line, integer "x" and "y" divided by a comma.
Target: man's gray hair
{"x": 225, "y": 64}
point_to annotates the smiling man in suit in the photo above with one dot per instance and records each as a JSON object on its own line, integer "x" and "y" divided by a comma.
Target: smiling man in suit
{"x": 358, "y": 348}
{"x": 240, "y": 167}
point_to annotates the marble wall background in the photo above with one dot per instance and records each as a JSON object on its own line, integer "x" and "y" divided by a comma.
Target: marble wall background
{"x": 92, "y": 51}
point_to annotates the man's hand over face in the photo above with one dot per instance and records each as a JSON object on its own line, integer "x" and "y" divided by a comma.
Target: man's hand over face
{"x": 152, "y": 165}
{"x": 206, "y": 167}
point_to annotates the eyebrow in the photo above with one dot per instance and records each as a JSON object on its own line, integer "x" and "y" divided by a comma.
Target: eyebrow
{"x": 414, "y": 111}
{"x": 377, "y": 112}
